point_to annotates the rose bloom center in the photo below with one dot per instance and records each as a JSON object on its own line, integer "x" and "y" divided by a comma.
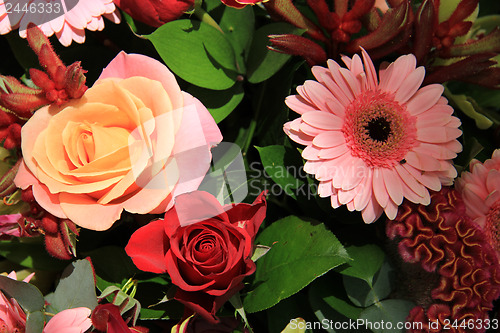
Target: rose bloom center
{"x": 378, "y": 129}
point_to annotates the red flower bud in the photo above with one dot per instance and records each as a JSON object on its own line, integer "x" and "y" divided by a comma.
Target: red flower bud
{"x": 298, "y": 45}
{"x": 74, "y": 80}
{"x": 155, "y": 13}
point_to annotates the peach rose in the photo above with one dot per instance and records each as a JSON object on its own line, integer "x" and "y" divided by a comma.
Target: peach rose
{"x": 133, "y": 141}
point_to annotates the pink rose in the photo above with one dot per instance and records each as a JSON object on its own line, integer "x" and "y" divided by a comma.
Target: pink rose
{"x": 132, "y": 142}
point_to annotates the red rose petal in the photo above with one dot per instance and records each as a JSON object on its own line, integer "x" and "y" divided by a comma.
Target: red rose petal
{"x": 147, "y": 247}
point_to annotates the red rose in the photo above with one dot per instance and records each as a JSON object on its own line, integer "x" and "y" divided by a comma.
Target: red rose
{"x": 240, "y": 3}
{"x": 204, "y": 247}
{"x": 153, "y": 12}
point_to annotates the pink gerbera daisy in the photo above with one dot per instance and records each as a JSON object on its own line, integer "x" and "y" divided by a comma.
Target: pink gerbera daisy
{"x": 480, "y": 191}
{"x": 75, "y": 16}
{"x": 371, "y": 142}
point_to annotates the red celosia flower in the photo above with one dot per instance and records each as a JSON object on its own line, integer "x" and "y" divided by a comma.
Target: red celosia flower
{"x": 442, "y": 239}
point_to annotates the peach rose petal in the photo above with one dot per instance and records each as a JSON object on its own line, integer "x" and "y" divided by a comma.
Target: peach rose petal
{"x": 129, "y": 65}
{"x": 128, "y": 143}
{"x": 48, "y": 201}
{"x": 85, "y": 212}
{"x": 212, "y": 133}
{"x": 153, "y": 193}
{"x": 40, "y": 121}
{"x": 191, "y": 152}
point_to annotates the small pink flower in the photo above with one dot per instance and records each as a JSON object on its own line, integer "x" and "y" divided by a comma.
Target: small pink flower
{"x": 9, "y": 227}
{"x": 480, "y": 189}
{"x": 70, "y": 320}
{"x": 12, "y": 317}
{"x": 69, "y": 26}
{"x": 372, "y": 142}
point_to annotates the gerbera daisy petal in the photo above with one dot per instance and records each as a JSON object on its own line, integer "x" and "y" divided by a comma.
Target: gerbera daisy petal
{"x": 438, "y": 134}
{"x": 410, "y": 86}
{"x": 379, "y": 189}
{"x": 410, "y": 181}
{"x": 333, "y": 152}
{"x": 426, "y": 179}
{"x": 424, "y": 99}
{"x": 351, "y": 81}
{"x": 298, "y": 104}
{"x": 371, "y": 73}
{"x": 422, "y": 161}
{"x": 316, "y": 93}
{"x": 440, "y": 152}
{"x": 311, "y": 153}
{"x": 372, "y": 211}
{"x": 347, "y": 196}
{"x": 335, "y": 89}
{"x": 329, "y": 139}
{"x": 309, "y": 130}
{"x": 68, "y": 27}
{"x": 356, "y": 66}
{"x": 393, "y": 186}
{"x": 493, "y": 181}
{"x": 325, "y": 189}
{"x": 433, "y": 118}
{"x": 356, "y": 172}
{"x": 402, "y": 67}
{"x": 480, "y": 190}
{"x": 391, "y": 210}
{"x": 334, "y": 200}
{"x": 323, "y": 120}
{"x": 339, "y": 79}
{"x": 375, "y": 143}
{"x": 335, "y": 107}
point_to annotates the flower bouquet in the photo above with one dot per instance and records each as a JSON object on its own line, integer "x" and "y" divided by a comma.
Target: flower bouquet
{"x": 246, "y": 166}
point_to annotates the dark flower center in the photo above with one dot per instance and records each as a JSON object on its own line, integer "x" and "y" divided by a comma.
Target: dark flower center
{"x": 379, "y": 129}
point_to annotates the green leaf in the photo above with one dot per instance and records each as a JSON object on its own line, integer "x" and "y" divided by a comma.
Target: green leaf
{"x": 235, "y": 301}
{"x": 124, "y": 301}
{"x": 280, "y": 315}
{"x": 238, "y": 24}
{"x": 287, "y": 267}
{"x": 391, "y": 312}
{"x": 29, "y": 298}
{"x": 220, "y": 103}
{"x": 367, "y": 260}
{"x": 362, "y": 294}
{"x": 259, "y": 252}
{"x": 283, "y": 165}
{"x": 76, "y": 288}
{"x": 197, "y": 52}
{"x": 469, "y": 106}
{"x": 329, "y": 300}
{"x": 263, "y": 63}
{"x": 32, "y": 255}
{"x": 112, "y": 264}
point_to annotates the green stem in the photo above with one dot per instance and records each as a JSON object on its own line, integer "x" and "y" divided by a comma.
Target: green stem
{"x": 253, "y": 122}
{"x": 204, "y": 16}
